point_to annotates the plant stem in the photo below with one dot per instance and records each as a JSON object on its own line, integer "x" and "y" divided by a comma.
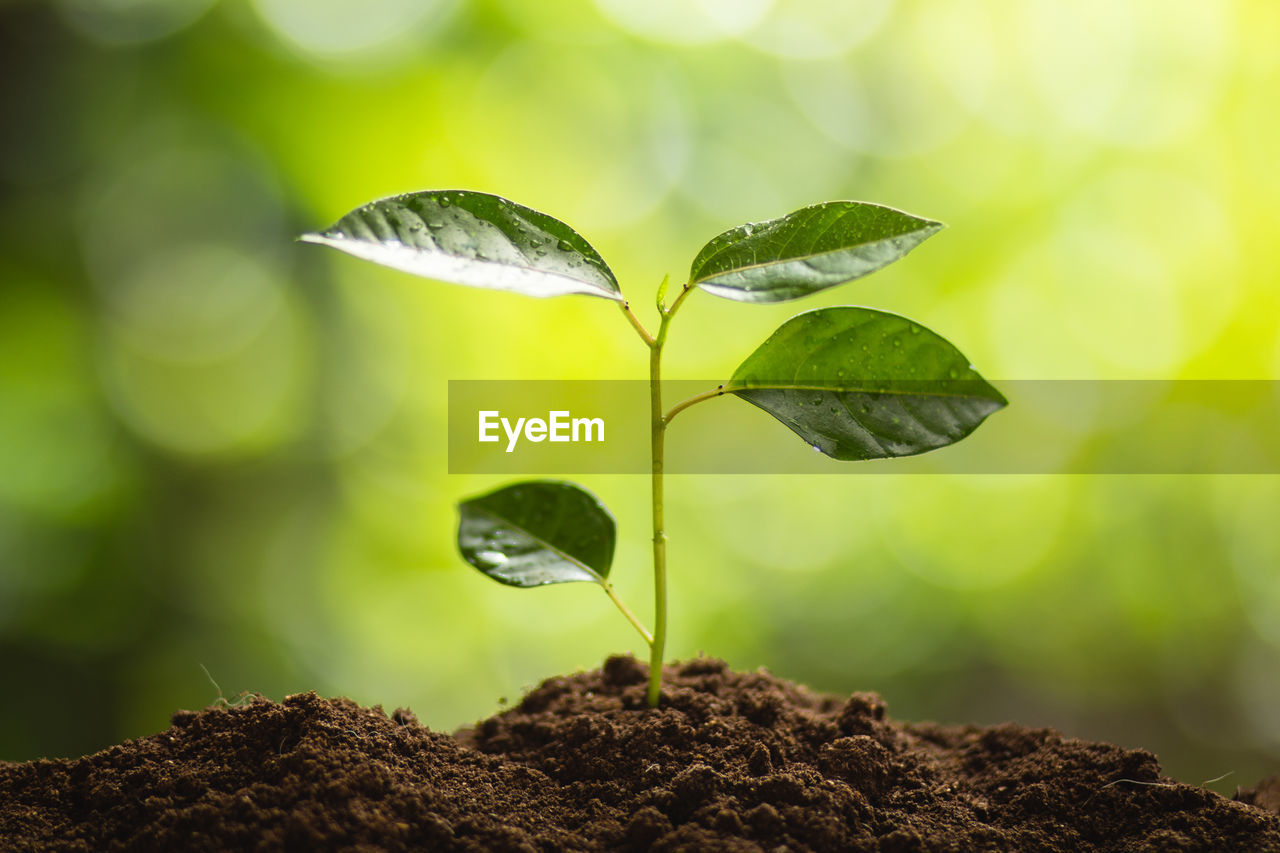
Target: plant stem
{"x": 626, "y": 611}
{"x": 718, "y": 391}
{"x": 657, "y": 434}
{"x": 636, "y": 324}
{"x": 684, "y": 293}
{"x": 657, "y": 438}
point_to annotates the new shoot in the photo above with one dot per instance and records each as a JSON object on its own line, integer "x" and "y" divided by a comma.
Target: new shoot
{"x": 854, "y": 383}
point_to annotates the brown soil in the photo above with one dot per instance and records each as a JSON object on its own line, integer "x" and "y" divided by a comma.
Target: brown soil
{"x": 731, "y": 762}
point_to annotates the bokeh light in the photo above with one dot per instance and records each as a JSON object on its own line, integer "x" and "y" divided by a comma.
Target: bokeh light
{"x": 367, "y": 31}
{"x": 130, "y": 22}
{"x": 802, "y": 29}
{"x": 686, "y": 23}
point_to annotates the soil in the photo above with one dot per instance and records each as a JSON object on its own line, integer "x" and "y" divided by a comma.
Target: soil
{"x": 731, "y": 762}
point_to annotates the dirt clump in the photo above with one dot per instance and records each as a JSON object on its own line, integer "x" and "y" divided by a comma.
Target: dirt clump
{"x": 730, "y": 762}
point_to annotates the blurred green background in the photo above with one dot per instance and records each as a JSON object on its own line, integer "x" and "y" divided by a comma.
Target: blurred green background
{"x": 222, "y": 448}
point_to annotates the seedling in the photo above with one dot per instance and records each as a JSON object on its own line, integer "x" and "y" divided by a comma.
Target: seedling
{"x": 855, "y": 383}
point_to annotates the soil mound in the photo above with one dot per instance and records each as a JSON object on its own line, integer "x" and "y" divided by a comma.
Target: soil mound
{"x": 731, "y": 762}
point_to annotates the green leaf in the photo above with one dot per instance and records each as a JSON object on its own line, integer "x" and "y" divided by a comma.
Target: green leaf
{"x": 538, "y": 532}
{"x": 475, "y": 239}
{"x": 814, "y": 248}
{"x": 862, "y": 384}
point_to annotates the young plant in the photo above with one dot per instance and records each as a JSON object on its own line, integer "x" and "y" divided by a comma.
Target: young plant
{"x": 855, "y": 383}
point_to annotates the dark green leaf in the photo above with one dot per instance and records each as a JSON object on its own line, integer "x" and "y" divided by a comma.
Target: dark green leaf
{"x": 862, "y": 384}
{"x": 475, "y": 239}
{"x": 536, "y": 533}
{"x": 814, "y": 248}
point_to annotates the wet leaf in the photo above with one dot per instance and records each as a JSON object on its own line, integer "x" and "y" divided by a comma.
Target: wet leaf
{"x": 862, "y": 384}
{"x": 814, "y": 248}
{"x": 475, "y": 239}
{"x": 538, "y": 532}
